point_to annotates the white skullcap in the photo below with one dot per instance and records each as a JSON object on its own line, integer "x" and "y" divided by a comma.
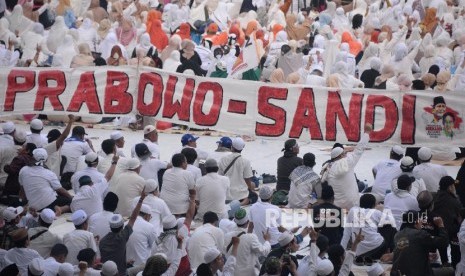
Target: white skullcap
{"x": 424, "y": 154}
{"x": 37, "y": 124}
{"x": 148, "y": 129}
{"x": 36, "y": 267}
{"x": 79, "y": 217}
{"x": 406, "y": 162}
{"x": 336, "y": 152}
{"x": 375, "y": 270}
{"x": 47, "y": 215}
{"x": 132, "y": 164}
{"x": 109, "y": 268}
{"x": 211, "y": 254}
{"x": 227, "y": 225}
{"x": 20, "y": 136}
{"x": 169, "y": 222}
{"x": 116, "y": 135}
{"x": 66, "y": 269}
{"x": 265, "y": 192}
{"x": 398, "y": 150}
{"x": 285, "y": 238}
{"x": 91, "y": 157}
{"x": 116, "y": 221}
{"x": 238, "y": 143}
{"x": 150, "y": 185}
{"x": 324, "y": 267}
{"x": 145, "y": 209}
{"x": 8, "y": 127}
{"x": 40, "y": 154}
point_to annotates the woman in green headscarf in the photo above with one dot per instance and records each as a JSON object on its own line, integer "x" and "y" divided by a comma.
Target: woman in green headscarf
{"x": 220, "y": 70}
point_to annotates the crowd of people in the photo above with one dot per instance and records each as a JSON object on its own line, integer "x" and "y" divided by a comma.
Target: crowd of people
{"x": 133, "y": 214}
{"x": 396, "y": 45}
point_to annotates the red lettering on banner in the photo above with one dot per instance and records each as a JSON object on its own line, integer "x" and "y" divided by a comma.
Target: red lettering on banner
{"x": 182, "y": 108}
{"x": 86, "y": 92}
{"x": 156, "y": 81}
{"x": 271, "y": 111}
{"x": 13, "y": 86}
{"x": 305, "y": 116}
{"x": 116, "y": 91}
{"x": 211, "y": 118}
{"x": 391, "y": 117}
{"x": 350, "y": 123}
{"x": 44, "y": 91}
{"x": 407, "y": 131}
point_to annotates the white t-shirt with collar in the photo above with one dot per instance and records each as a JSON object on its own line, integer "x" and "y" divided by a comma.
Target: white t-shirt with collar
{"x": 175, "y": 190}
{"x": 39, "y": 185}
{"x": 77, "y": 240}
{"x": 139, "y": 245}
{"x": 72, "y": 149}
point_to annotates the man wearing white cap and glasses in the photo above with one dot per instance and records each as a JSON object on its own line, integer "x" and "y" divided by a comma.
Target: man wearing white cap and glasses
{"x": 7, "y": 149}
{"x": 118, "y": 137}
{"x": 250, "y": 248}
{"x": 151, "y": 140}
{"x": 113, "y": 245}
{"x": 239, "y": 171}
{"x": 387, "y": 170}
{"x": 339, "y": 172}
{"x": 139, "y": 245}
{"x": 35, "y": 137}
{"x": 158, "y": 206}
{"x": 429, "y": 172}
{"x": 79, "y": 238}
{"x": 11, "y": 216}
{"x": 41, "y": 239}
{"x": 41, "y": 186}
{"x": 128, "y": 185}
{"x": 214, "y": 262}
{"x": 407, "y": 165}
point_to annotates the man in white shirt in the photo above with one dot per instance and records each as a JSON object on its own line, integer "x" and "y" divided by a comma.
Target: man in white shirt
{"x": 303, "y": 182}
{"x": 429, "y": 172}
{"x": 7, "y": 149}
{"x": 57, "y": 257}
{"x": 55, "y": 141}
{"x": 367, "y": 219}
{"x": 212, "y": 190}
{"x": 150, "y": 166}
{"x": 41, "y": 186}
{"x": 40, "y": 238}
{"x": 191, "y": 156}
{"x": 73, "y": 148}
{"x": 250, "y": 248}
{"x": 239, "y": 171}
{"x": 265, "y": 216}
{"x": 401, "y": 201}
{"x": 89, "y": 196}
{"x": 79, "y": 238}
{"x": 35, "y": 137}
{"x": 92, "y": 161}
{"x": 178, "y": 186}
{"x": 118, "y": 137}
{"x": 158, "y": 207}
{"x": 418, "y": 185}
{"x": 386, "y": 171}
{"x": 339, "y": 172}
{"x": 206, "y": 236}
{"x": 224, "y": 148}
{"x": 96, "y": 227}
{"x": 151, "y": 140}
{"x": 128, "y": 185}
{"x": 139, "y": 245}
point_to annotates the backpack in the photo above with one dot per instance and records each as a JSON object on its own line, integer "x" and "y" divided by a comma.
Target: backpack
{"x": 279, "y": 197}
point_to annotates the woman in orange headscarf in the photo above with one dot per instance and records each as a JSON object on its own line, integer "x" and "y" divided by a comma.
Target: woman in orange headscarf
{"x": 429, "y": 23}
{"x": 276, "y": 29}
{"x": 154, "y": 29}
{"x": 184, "y": 31}
{"x": 354, "y": 46}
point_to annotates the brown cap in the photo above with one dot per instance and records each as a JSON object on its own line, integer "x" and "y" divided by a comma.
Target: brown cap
{"x": 18, "y": 234}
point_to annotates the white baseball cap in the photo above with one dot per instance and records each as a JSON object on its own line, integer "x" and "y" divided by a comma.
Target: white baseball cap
{"x": 11, "y": 213}
{"x": 37, "y": 124}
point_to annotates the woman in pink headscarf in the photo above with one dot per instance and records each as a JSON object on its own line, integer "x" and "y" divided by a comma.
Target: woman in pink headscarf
{"x": 126, "y": 32}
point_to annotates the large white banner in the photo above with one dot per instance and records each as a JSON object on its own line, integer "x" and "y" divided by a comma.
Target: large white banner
{"x": 240, "y": 107}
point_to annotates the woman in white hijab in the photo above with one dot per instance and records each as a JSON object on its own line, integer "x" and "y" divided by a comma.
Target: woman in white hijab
{"x": 5, "y": 33}
{"x": 370, "y": 52}
{"x": 220, "y": 16}
{"x": 87, "y": 33}
{"x": 18, "y": 22}
{"x": 428, "y": 59}
{"x": 65, "y": 53}
{"x": 345, "y": 79}
{"x": 172, "y": 63}
{"x": 57, "y": 33}
{"x": 31, "y": 39}
{"x": 403, "y": 62}
{"x": 145, "y": 47}
{"x": 275, "y": 46}
{"x": 340, "y": 21}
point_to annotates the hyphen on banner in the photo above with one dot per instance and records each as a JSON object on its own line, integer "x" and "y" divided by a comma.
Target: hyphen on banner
{"x": 239, "y": 107}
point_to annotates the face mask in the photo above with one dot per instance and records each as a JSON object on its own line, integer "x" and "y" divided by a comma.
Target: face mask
{"x": 116, "y": 56}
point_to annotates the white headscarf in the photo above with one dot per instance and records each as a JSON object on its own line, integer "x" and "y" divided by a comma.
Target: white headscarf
{"x": 65, "y": 53}
{"x": 108, "y": 43}
{"x": 87, "y": 33}
{"x": 18, "y": 21}
{"x": 145, "y": 44}
{"x": 172, "y": 63}
{"x": 31, "y": 39}
{"x": 57, "y": 34}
